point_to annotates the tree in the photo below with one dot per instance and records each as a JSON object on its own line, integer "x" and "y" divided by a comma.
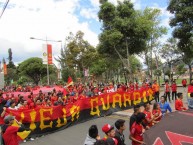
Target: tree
{"x": 124, "y": 31}
{"x": 10, "y": 64}
{"x": 34, "y": 69}
{"x": 182, "y": 22}
{"x": 77, "y": 55}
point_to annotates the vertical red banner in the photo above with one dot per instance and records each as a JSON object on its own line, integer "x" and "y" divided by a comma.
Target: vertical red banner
{"x": 5, "y": 68}
{"x": 49, "y": 53}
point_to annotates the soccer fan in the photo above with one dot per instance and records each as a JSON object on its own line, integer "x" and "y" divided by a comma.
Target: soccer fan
{"x": 92, "y": 136}
{"x": 133, "y": 117}
{"x": 156, "y": 88}
{"x": 179, "y": 104}
{"x": 167, "y": 91}
{"x": 190, "y": 87}
{"x": 137, "y": 130}
{"x": 10, "y": 132}
{"x": 120, "y": 126}
{"x": 109, "y": 131}
{"x": 184, "y": 82}
{"x": 164, "y": 106}
{"x": 111, "y": 141}
{"x": 174, "y": 90}
{"x": 149, "y": 118}
{"x": 157, "y": 112}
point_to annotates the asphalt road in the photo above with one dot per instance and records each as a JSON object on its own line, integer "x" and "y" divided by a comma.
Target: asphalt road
{"x": 75, "y": 135}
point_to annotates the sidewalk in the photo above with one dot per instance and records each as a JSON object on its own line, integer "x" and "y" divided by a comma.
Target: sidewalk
{"x": 129, "y": 112}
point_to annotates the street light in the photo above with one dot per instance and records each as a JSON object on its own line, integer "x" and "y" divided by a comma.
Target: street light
{"x": 48, "y": 77}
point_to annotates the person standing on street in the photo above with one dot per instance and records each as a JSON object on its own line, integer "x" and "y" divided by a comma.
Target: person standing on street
{"x": 120, "y": 126}
{"x": 174, "y": 90}
{"x": 10, "y": 132}
{"x": 156, "y": 88}
{"x": 167, "y": 91}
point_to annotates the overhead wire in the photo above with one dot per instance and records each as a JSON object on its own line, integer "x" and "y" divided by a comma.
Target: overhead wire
{"x": 5, "y": 6}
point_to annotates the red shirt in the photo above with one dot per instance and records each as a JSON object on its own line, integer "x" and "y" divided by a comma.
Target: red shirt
{"x": 147, "y": 117}
{"x": 184, "y": 82}
{"x": 179, "y": 105}
{"x": 157, "y": 113}
{"x": 167, "y": 88}
{"x": 10, "y": 136}
{"x": 136, "y": 132}
{"x": 190, "y": 89}
{"x": 174, "y": 87}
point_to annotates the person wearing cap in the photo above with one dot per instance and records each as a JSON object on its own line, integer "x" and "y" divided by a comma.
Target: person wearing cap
{"x": 10, "y": 132}
{"x": 137, "y": 130}
{"x": 109, "y": 131}
{"x": 120, "y": 126}
{"x": 92, "y": 135}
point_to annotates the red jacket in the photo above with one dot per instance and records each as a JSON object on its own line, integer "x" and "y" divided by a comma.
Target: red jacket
{"x": 184, "y": 82}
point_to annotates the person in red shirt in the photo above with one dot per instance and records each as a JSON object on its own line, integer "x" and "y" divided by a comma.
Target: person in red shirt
{"x": 167, "y": 91}
{"x": 157, "y": 112}
{"x": 184, "y": 82}
{"x": 10, "y": 132}
{"x": 137, "y": 130}
{"x": 149, "y": 118}
{"x": 179, "y": 104}
{"x": 109, "y": 131}
{"x": 156, "y": 88}
{"x": 174, "y": 90}
{"x": 190, "y": 87}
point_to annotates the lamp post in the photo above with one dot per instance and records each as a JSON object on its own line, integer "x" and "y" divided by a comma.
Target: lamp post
{"x": 46, "y": 40}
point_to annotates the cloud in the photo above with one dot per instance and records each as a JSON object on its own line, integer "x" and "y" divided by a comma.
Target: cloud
{"x": 40, "y": 19}
{"x": 89, "y": 13}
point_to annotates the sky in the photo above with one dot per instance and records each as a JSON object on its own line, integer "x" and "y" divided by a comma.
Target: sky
{"x": 53, "y": 20}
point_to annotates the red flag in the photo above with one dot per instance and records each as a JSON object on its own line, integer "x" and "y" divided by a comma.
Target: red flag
{"x": 5, "y": 68}
{"x": 70, "y": 81}
{"x": 49, "y": 53}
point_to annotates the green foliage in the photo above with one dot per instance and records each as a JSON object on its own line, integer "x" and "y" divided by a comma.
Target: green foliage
{"x": 180, "y": 69}
{"x": 121, "y": 22}
{"x": 10, "y": 64}
{"x": 11, "y": 75}
{"x": 34, "y": 69}
{"x": 182, "y": 22}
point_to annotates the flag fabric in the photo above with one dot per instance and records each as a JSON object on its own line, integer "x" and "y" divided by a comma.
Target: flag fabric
{"x": 70, "y": 81}
{"x": 173, "y": 129}
{"x": 5, "y": 69}
{"x": 47, "y": 54}
{"x": 21, "y": 135}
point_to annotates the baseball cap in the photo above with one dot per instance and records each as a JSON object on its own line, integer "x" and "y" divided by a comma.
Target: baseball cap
{"x": 107, "y": 128}
{"x": 8, "y": 118}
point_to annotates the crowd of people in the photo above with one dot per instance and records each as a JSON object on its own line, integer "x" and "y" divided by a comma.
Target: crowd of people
{"x": 139, "y": 121}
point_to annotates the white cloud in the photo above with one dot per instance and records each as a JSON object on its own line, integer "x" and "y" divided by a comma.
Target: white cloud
{"x": 39, "y": 18}
{"x": 89, "y": 13}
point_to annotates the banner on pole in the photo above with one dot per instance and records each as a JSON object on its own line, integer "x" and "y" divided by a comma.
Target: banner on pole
{"x": 44, "y": 54}
{"x": 5, "y": 68}
{"x": 49, "y": 52}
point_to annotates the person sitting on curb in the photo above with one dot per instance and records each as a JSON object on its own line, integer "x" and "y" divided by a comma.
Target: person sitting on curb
{"x": 164, "y": 106}
{"x": 10, "y": 132}
{"x": 179, "y": 104}
{"x": 92, "y": 135}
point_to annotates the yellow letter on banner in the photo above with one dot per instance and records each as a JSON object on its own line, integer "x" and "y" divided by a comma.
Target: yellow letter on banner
{"x": 127, "y": 98}
{"x": 33, "y": 117}
{"x": 42, "y": 118}
{"x": 75, "y": 110}
{"x": 144, "y": 96}
{"x": 22, "y": 117}
{"x": 103, "y": 102}
{"x": 117, "y": 99}
{"x": 92, "y": 112}
{"x": 59, "y": 124}
{"x": 137, "y": 98}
